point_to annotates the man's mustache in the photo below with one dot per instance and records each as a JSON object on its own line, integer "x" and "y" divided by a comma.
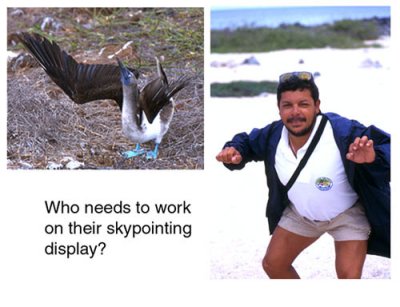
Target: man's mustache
{"x": 296, "y": 119}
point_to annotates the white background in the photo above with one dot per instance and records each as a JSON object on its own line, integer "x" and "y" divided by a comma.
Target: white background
{"x": 156, "y": 271}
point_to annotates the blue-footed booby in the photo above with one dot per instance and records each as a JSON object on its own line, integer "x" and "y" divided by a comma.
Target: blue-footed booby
{"x": 154, "y": 101}
{"x": 146, "y": 113}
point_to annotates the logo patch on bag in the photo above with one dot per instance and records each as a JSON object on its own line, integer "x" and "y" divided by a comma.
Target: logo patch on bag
{"x": 323, "y": 183}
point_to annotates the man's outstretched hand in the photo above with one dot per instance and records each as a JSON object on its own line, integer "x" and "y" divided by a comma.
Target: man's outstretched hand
{"x": 361, "y": 150}
{"x": 229, "y": 155}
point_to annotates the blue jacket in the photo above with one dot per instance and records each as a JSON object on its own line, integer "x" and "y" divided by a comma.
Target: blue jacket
{"x": 370, "y": 181}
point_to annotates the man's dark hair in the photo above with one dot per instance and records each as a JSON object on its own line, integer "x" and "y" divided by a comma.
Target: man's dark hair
{"x": 294, "y": 83}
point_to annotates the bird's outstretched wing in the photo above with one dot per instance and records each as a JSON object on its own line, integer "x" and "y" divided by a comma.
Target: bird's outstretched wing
{"x": 81, "y": 82}
{"x": 158, "y": 93}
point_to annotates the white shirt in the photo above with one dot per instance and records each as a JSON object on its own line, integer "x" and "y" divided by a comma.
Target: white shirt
{"x": 321, "y": 191}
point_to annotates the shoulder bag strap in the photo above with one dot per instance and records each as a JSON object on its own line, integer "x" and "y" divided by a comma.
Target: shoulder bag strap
{"x": 308, "y": 153}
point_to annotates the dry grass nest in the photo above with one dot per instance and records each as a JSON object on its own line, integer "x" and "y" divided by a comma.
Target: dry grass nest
{"x": 46, "y": 130}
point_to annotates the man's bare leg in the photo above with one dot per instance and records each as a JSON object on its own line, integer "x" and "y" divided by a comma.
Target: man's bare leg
{"x": 283, "y": 249}
{"x": 350, "y": 257}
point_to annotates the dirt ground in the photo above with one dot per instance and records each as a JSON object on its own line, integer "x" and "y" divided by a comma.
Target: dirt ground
{"x": 45, "y": 129}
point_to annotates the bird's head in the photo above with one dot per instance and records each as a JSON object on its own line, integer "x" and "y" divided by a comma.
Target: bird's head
{"x": 127, "y": 77}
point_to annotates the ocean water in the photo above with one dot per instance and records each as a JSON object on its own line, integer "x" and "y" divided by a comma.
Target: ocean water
{"x": 231, "y": 18}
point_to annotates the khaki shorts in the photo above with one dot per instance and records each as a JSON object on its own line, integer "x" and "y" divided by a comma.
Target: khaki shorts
{"x": 352, "y": 224}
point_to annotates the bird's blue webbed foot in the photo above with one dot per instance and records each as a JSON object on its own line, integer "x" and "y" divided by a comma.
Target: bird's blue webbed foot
{"x": 152, "y": 154}
{"x": 134, "y": 153}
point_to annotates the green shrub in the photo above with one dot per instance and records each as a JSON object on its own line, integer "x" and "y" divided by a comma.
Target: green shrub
{"x": 341, "y": 34}
{"x": 361, "y": 30}
{"x": 242, "y": 88}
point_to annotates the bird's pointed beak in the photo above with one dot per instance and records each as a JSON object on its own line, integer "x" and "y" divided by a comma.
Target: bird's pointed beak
{"x": 127, "y": 77}
{"x": 124, "y": 71}
{"x": 120, "y": 64}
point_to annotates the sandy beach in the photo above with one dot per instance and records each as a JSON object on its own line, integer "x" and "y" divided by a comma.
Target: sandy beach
{"x": 354, "y": 83}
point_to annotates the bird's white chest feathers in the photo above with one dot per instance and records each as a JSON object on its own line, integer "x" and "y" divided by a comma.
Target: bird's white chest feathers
{"x": 146, "y": 132}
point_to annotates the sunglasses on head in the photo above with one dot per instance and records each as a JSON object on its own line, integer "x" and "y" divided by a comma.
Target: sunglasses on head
{"x": 302, "y": 75}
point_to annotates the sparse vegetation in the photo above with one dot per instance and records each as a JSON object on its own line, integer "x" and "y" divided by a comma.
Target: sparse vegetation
{"x": 242, "y": 88}
{"x": 341, "y": 34}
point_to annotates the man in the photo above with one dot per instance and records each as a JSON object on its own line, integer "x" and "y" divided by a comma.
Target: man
{"x": 343, "y": 189}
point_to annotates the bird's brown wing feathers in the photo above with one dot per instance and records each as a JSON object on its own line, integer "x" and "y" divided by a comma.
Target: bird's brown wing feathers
{"x": 81, "y": 82}
{"x": 156, "y": 94}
